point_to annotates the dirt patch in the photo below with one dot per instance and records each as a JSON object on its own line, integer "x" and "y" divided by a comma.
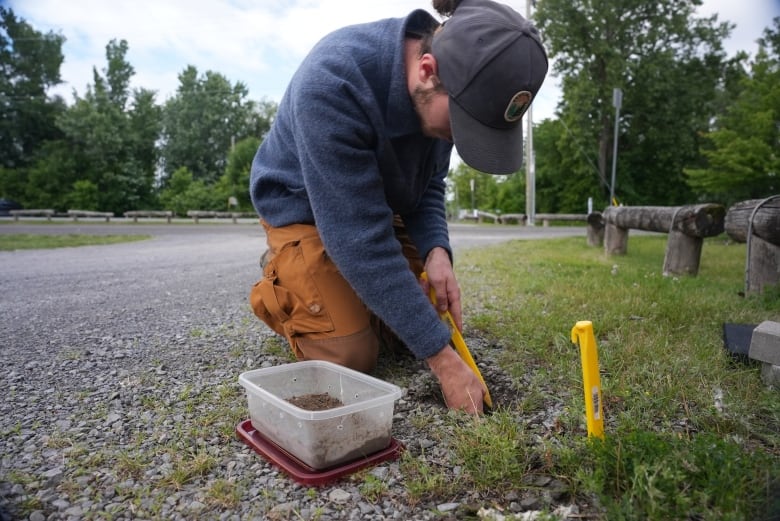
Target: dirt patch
{"x": 315, "y": 402}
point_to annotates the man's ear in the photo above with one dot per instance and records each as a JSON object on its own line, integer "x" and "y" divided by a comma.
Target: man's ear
{"x": 428, "y": 70}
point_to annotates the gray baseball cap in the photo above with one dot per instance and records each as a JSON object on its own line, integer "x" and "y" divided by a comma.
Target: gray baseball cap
{"x": 492, "y": 63}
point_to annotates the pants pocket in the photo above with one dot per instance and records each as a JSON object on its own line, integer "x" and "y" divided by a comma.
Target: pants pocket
{"x": 287, "y": 299}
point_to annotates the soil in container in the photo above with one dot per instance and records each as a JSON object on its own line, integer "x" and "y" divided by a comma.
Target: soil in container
{"x": 315, "y": 402}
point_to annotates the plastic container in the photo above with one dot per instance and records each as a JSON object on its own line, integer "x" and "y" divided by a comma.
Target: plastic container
{"x": 321, "y": 439}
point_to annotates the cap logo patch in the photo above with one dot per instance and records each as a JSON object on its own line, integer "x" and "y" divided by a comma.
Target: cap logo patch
{"x": 517, "y": 106}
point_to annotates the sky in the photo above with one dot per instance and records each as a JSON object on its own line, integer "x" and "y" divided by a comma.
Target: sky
{"x": 259, "y": 42}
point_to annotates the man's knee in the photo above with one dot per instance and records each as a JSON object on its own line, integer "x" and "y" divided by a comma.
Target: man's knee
{"x": 357, "y": 351}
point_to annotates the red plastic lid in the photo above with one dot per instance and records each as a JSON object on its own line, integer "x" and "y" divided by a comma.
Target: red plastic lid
{"x": 303, "y": 473}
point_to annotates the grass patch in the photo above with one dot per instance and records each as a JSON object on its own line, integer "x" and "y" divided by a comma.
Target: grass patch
{"x": 667, "y": 477}
{"x": 27, "y": 241}
{"x": 493, "y": 450}
{"x": 682, "y": 416}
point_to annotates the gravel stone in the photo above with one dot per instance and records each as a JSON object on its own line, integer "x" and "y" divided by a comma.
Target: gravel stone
{"x": 339, "y": 496}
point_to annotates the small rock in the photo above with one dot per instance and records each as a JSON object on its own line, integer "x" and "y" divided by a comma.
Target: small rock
{"x": 282, "y": 510}
{"x": 60, "y": 504}
{"x": 37, "y": 516}
{"x": 529, "y": 503}
{"x": 74, "y": 511}
{"x": 53, "y": 477}
{"x": 379, "y": 472}
{"x": 447, "y": 507}
{"x": 339, "y": 496}
{"x": 196, "y": 506}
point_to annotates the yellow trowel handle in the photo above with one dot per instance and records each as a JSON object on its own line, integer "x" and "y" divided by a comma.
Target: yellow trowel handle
{"x": 458, "y": 343}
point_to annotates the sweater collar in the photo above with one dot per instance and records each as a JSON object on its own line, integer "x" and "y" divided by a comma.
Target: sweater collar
{"x": 401, "y": 117}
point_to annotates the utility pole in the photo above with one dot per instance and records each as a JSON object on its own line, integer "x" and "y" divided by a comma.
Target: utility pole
{"x": 530, "y": 161}
{"x": 473, "y": 208}
{"x": 617, "y": 100}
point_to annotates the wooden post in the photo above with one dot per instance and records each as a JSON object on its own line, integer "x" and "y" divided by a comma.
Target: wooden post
{"x": 595, "y": 229}
{"x": 682, "y": 254}
{"x": 763, "y": 265}
{"x": 757, "y": 222}
{"x": 615, "y": 240}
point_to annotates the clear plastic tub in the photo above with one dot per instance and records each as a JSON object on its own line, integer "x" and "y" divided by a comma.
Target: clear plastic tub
{"x": 321, "y": 439}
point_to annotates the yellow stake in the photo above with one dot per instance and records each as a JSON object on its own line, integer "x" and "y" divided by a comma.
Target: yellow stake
{"x": 583, "y": 332}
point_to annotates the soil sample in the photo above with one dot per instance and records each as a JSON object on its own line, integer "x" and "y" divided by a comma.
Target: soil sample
{"x": 315, "y": 402}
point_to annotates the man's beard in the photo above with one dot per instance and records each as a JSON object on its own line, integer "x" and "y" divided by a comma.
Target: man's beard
{"x": 422, "y": 97}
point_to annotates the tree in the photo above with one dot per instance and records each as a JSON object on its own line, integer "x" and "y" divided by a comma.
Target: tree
{"x": 84, "y": 195}
{"x": 566, "y": 175}
{"x": 742, "y": 160}
{"x": 183, "y": 193}
{"x": 29, "y": 64}
{"x": 112, "y": 135}
{"x": 483, "y": 197}
{"x": 203, "y": 121}
{"x": 235, "y": 181}
{"x": 50, "y": 179}
{"x": 510, "y": 197}
{"x": 670, "y": 66}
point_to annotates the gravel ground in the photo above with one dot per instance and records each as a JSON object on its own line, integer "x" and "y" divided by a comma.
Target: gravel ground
{"x": 121, "y": 396}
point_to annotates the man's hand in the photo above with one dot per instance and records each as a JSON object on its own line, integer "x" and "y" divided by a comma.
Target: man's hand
{"x": 442, "y": 278}
{"x": 460, "y": 386}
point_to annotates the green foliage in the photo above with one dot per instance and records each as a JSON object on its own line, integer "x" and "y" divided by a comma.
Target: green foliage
{"x": 30, "y": 64}
{"x": 84, "y": 195}
{"x": 49, "y": 180}
{"x": 109, "y": 141}
{"x": 485, "y": 195}
{"x": 183, "y": 194}
{"x": 742, "y": 160}
{"x": 664, "y": 477}
{"x": 235, "y": 181}
{"x": 669, "y": 65}
{"x": 566, "y": 175}
{"x": 201, "y": 122}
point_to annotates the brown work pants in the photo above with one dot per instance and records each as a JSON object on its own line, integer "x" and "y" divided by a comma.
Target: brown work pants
{"x": 304, "y": 297}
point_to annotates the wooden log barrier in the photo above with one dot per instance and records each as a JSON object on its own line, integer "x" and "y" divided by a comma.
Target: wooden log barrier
{"x": 547, "y": 218}
{"x": 234, "y": 216}
{"x": 135, "y": 214}
{"x": 686, "y": 225}
{"x": 48, "y": 213}
{"x": 507, "y": 218}
{"x": 595, "y": 229}
{"x": 75, "y": 214}
{"x": 757, "y": 223}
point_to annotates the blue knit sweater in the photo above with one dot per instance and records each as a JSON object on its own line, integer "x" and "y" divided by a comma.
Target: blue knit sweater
{"x": 346, "y": 152}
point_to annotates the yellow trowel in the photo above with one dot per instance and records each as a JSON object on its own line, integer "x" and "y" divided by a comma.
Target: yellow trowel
{"x": 459, "y": 344}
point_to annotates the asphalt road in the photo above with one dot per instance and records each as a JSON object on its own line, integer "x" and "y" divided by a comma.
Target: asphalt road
{"x": 461, "y": 234}
{"x": 181, "y": 268}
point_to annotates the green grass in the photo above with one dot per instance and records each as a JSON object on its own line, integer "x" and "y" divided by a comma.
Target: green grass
{"x": 24, "y": 241}
{"x": 690, "y": 432}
